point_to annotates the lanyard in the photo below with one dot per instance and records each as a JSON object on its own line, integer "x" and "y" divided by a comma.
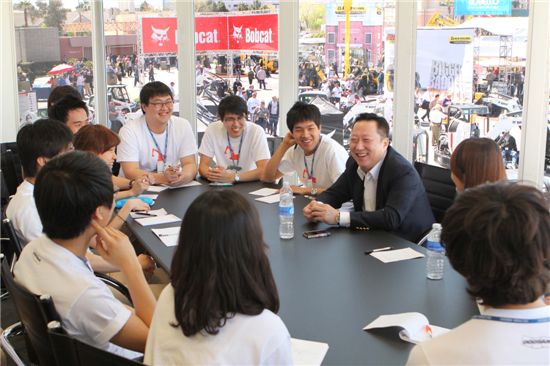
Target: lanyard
{"x": 308, "y": 171}
{"x": 512, "y": 320}
{"x": 232, "y": 153}
{"x": 165, "y": 141}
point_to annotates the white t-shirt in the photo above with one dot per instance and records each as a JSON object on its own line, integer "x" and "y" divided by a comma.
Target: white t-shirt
{"x": 490, "y": 342}
{"x": 23, "y": 214}
{"x": 252, "y": 104}
{"x": 244, "y": 340}
{"x": 137, "y": 145}
{"x": 88, "y": 309}
{"x": 254, "y": 146}
{"x": 330, "y": 162}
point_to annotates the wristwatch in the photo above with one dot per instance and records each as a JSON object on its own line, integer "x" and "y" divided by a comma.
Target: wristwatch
{"x": 237, "y": 178}
{"x": 313, "y": 191}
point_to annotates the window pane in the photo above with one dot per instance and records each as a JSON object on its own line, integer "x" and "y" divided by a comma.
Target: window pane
{"x": 237, "y": 49}
{"x": 470, "y": 67}
{"x": 323, "y": 80}
{"x": 52, "y": 48}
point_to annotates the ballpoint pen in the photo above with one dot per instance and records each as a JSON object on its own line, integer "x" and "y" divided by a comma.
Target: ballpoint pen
{"x": 378, "y": 250}
{"x": 145, "y": 213}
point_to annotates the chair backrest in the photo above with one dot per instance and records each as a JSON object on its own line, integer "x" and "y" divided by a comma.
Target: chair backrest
{"x": 439, "y": 187}
{"x": 10, "y": 166}
{"x": 8, "y": 232}
{"x": 34, "y": 312}
{"x": 71, "y": 351}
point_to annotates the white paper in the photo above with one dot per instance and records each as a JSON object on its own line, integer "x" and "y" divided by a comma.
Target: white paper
{"x": 158, "y": 220}
{"x": 169, "y": 236}
{"x": 156, "y": 189}
{"x": 308, "y": 352}
{"x": 151, "y": 196}
{"x": 159, "y": 212}
{"x": 188, "y": 184}
{"x": 413, "y": 324}
{"x": 270, "y": 199}
{"x": 389, "y": 256}
{"x": 264, "y": 192}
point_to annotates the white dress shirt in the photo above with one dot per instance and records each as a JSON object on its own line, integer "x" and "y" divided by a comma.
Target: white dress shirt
{"x": 370, "y": 183}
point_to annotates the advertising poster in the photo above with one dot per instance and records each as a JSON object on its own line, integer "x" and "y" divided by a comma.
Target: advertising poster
{"x": 483, "y": 7}
{"x": 158, "y": 35}
{"x": 444, "y": 61}
{"x": 254, "y": 32}
{"x": 211, "y": 33}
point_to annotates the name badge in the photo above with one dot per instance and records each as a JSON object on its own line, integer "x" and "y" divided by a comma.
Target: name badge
{"x": 160, "y": 166}
{"x": 234, "y": 167}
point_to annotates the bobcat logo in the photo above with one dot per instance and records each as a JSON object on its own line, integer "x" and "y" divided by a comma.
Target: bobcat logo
{"x": 159, "y": 35}
{"x": 238, "y": 33}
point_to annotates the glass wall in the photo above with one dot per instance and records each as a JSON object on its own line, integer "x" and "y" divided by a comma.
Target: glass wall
{"x": 470, "y": 69}
{"x": 53, "y": 48}
{"x": 345, "y": 69}
{"x": 236, "y": 45}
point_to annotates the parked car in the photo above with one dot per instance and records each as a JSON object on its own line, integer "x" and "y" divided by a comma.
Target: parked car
{"x": 309, "y": 95}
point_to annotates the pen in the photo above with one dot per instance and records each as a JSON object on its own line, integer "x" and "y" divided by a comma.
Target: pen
{"x": 145, "y": 213}
{"x": 167, "y": 234}
{"x": 378, "y": 250}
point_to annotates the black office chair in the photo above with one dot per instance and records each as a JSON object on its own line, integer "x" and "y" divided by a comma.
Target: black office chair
{"x": 439, "y": 187}
{"x": 70, "y": 351}
{"x": 35, "y": 312}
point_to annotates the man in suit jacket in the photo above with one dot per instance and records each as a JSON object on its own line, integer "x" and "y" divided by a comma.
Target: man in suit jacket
{"x": 386, "y": 190}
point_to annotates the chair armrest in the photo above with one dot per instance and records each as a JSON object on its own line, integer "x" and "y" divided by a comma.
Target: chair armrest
{"x": 9, "y": 332}
{"x": 117, "y": 285}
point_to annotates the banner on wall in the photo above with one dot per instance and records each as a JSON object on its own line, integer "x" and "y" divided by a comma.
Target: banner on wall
{"x": 443, "y": 65}
{"x": 483, "y": 7}
{"x": 221, "y": 33}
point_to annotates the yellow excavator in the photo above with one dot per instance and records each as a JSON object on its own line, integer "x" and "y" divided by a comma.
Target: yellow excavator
{"x": 438, "y": 20}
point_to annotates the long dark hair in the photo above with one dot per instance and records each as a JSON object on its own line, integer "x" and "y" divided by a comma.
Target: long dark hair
{"x": 220, "y": 267}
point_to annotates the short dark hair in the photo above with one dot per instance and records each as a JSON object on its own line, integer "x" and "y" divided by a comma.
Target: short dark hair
{"x": 476, "y": 161}
{"x": 60, "y": 92}
{"x": 498, "y": 237}
{"x": 45, "y": 137}
{"x": 68, "y": 190}
{"x": 301, "y": 112}
{"x": 154, "y": 89}
{"x": 95, "y": 138}
{"x": 382, "y": 126}
{"x": 232, "y": 104}
{"x": 220, "y": 267}
{"x": 60, "y": 110}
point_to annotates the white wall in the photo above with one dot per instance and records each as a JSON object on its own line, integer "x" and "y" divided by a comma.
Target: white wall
{"x": 9, "y": 114}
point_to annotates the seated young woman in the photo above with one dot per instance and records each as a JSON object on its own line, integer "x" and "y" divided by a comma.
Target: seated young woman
{"x": 476, "y": 161}
{"x": 101, "y": 141}
{"x": 221, "y": 304}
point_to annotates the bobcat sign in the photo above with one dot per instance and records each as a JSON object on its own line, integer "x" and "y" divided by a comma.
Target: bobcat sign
{"x": 219, "y": 33}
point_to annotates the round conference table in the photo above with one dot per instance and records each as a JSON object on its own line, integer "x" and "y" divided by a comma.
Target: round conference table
{"x": 328, "y": 288}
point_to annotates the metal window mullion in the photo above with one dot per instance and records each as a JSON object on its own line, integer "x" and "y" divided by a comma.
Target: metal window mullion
{"x": 98, "y": 58}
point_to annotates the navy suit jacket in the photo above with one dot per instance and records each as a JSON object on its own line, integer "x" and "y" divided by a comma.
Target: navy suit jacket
{"x": 402, "y": 206}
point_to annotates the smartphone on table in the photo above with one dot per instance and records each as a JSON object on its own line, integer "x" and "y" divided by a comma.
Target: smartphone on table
{"x": 316, "y": 234}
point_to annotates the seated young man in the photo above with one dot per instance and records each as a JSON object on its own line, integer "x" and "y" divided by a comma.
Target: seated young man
{"x": 71, "y": 111}
{"x": 157, "y": 144}
{"x": 318, "y": 160}
{"x": 37, "y": 144}
{"x": 74, "y": 198}
{"x": 498, "y": 237}
{"x": 238, "y": 147}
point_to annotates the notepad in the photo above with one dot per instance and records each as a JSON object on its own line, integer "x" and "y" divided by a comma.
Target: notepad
{"x": 166, "y": 219}
{"x": 169, "y": 236}
{"x": 389, "y": 256}
{"x": 156, "y": 189}
{"x": 150, "y": 213}
{"x": 264, "y": 192}
{"x": 308, "y": 352}
{"x": 188, "y": 184}
{"x": 270, "y": 199}
{"x": 415, "y": 326}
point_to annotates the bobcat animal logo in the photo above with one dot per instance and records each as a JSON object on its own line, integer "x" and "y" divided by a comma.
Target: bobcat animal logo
{"x": 159, "y": 35}
{"x": 238, "y": 33}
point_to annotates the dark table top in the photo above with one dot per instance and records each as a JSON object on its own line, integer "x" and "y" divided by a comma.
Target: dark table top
{"x": 329, "y": 289}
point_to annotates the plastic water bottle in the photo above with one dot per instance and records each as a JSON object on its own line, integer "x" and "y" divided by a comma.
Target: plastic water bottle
{"x": 286, "y": 212}
{"x": 435, "y": 263}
